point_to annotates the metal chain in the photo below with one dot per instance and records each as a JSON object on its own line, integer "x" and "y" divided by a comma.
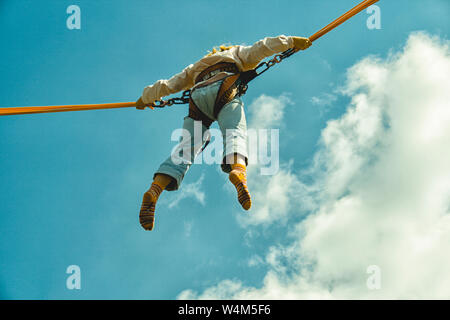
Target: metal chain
{"x": 248, "y": 76}
{"x": 276, "y": 59}
{"x": 254, "y": 73}
{"x": 166, "y": 103}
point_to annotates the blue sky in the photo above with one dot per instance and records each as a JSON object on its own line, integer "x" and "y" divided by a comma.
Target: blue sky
{"x": 71, "y": 183}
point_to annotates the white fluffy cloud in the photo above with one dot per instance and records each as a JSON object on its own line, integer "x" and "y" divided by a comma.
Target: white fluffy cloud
{"x": 189, "y": 190}
{"x": 324, "y": 102}
{"x": 271, "y": 194}
{"x": 267, "y": 112}
{"x": 381, "y": 190}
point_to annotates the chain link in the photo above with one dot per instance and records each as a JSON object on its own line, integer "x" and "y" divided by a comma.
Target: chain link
{"x": 276, "y": 59}
{"x": 167, "y": 103}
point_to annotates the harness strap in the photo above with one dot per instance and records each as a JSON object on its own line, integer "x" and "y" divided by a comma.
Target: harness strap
{"x": 228, "y": 90}
{"x": 196, "y": 114}
{"x": 215, "y": 69}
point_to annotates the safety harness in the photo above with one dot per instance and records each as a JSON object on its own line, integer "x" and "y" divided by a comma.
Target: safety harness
{"x": 233, "y": 85}
{"x": 227, "y": 91}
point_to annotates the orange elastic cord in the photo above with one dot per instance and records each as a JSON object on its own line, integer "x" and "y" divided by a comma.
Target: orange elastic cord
{"x": 360, "y": 7}
{"x": 80, "y": 107}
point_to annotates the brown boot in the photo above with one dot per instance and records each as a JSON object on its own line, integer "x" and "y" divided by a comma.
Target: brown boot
{"x": 147, "y": 213}
{"x": 238, "y": 177}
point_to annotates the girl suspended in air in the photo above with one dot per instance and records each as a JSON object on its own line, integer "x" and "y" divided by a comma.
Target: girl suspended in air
{"x": 215, "y": 96}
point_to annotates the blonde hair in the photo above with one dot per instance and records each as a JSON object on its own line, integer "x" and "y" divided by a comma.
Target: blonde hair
{"x": 220, "y": 49}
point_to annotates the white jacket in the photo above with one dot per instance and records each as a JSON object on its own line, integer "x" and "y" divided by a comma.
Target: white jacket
{"x": 245, "y": 57}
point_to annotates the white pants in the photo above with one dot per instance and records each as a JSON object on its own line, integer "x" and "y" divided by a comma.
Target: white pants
{"x": 232, "y": 123}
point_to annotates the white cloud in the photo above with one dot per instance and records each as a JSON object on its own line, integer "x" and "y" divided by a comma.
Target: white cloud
{"x": 271, "y": 194}
{"x": 255, "y": 261}
{"x": 325, "y": 99}
{"x": 381, "y": 190}
{"x": 187, "y": 190}
{"x": 188, "y": 228}
{"x": 324, "y": 102}
{"x": 267, "y": 112}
